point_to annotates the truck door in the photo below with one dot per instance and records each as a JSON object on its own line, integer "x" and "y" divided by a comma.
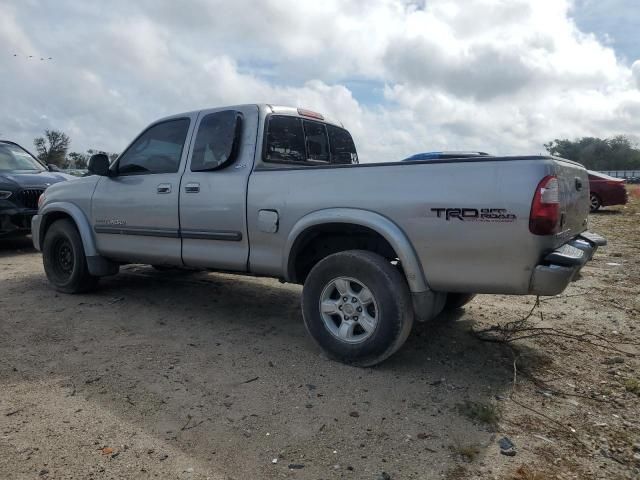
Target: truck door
{"x": 135, "y": 211}
{"x": 213, "y": 192}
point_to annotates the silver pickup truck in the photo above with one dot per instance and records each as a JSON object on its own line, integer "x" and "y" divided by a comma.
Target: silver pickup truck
{"x": 278, "y": 192}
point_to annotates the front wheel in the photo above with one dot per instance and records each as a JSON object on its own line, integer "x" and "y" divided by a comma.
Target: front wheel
{"x": 64, "y": 260}
{"x": 595, "y": 202}
{"x": 357, "y": 307}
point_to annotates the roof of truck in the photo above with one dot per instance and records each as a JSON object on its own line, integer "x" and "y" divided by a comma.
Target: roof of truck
{"x": 279, "y": 109}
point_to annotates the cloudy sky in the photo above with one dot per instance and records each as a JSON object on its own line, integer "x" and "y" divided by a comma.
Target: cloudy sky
{"x": 405, "y": 76}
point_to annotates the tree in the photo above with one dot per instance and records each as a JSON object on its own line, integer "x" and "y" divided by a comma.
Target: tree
{"x": 52, "y": 148}
{"x": 77, "y": 160}
{"x": 617, "y": 153}
{"x": 81, "y": 160}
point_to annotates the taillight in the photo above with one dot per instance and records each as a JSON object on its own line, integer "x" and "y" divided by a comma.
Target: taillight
{"x": 545, "y": 208}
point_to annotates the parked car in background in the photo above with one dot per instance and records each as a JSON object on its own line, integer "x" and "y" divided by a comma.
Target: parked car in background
{"x": 22, "y": 179}
{"x": 606, "y": 190}
{"x": 444, "y": 155}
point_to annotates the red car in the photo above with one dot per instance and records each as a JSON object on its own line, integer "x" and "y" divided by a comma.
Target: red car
{"x": 606, "y": 190}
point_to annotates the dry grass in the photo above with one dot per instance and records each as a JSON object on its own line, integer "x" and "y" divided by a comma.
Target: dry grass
{"x": 525, "y": 472}
{"x": 485, "y": 413}
{"x": 468, "y": 452}
{"x": 632, "y": 385}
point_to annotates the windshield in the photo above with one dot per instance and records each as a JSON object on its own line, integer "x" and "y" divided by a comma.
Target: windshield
{"x": 13, "y": 157}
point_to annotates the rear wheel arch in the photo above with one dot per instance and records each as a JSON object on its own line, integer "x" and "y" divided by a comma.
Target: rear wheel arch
{"x": 326, "y": 232}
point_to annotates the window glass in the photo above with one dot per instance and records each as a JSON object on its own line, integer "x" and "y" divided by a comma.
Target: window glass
{"x": 157, "y": 150}
{"x": 215, "y": 140}
{"x": 13, "y": 157}
{"x": 343, "y": 150}
{"x": 317, "y": 142}
{"x": 285, "y": 139}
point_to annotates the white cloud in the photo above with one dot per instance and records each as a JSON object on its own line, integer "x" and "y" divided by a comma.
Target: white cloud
{"x": 635, "y": 71}
{"x": 493, "y": 75}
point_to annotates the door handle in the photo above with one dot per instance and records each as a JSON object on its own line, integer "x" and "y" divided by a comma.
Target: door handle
{"x": 192, "y": 187}
{"x": 164, "y": 188}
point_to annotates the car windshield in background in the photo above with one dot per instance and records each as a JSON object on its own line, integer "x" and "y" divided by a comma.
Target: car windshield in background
{"x": 13, "y": 158}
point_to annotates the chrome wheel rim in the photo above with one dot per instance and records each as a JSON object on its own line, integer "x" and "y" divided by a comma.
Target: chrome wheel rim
{"x": 594, "y": 202}
{"x": 348, "y": 310}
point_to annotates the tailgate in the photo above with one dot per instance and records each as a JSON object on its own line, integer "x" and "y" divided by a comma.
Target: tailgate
{"x": 573, "y": 182}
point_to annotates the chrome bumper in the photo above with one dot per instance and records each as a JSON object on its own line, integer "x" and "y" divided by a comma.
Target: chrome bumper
{"x": 559, "y": 267}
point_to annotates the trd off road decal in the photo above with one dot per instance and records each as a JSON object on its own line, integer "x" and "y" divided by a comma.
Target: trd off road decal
{"x": 110, "y": 221}
{"x": 475, "y": 214}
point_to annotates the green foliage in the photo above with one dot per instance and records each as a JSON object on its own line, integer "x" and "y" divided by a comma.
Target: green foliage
{"x": 81, "y": 160}
{"x": 617, "y": 153}
{"x": 52, "y": 148}
{"x": 486, "y": 413}
{"x": 632, "y": 385}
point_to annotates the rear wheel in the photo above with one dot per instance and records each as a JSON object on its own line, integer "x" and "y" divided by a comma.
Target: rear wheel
{"x": 596, "y": 203}
{"x": 64, "y": 260}
{"x": 458, "y": 300}
{"x": 357, "y": 307}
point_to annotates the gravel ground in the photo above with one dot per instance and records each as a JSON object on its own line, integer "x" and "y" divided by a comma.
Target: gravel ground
{"x": 200, "y": 375}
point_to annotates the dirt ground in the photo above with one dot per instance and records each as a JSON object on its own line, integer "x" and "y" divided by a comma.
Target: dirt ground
{"x": 198, "y": 375}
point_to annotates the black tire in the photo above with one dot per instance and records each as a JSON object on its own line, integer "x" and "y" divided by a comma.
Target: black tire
{"x": 163, "y": 268}
{"x": 595, "y": 202}
{"x": 64, "y": 260}
{"x": 394, "y": 310}
{"x": 458, "y": 300}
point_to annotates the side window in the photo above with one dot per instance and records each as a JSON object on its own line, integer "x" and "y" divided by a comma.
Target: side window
{"x": 285, "y": 140}
{"x": 317, "y": 141}
{"x": 157, "y": 150}
{"x": 343, "y": 150}
{"x": 216, "y": 141}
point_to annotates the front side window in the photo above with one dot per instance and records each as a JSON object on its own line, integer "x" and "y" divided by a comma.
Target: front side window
{"x": 216, "y": 141}
{"x": 157, "y": 150}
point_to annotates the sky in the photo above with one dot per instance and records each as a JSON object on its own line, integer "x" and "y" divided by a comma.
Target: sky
{"x": 404, "y": 76}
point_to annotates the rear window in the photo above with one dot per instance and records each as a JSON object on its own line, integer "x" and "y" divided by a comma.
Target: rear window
{"x": 343, "y": 150}
{"x": 306, "y": 142}
{"x": 285, "y": 140}
{"x": 317, "y": 141}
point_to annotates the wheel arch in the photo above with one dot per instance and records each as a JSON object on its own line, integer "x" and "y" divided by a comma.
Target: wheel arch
{"x": 55, "y": 211}
{"x": 377, "y": 226}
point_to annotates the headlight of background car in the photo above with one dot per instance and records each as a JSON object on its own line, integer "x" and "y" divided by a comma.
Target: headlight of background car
{"x": 4, "y": 194}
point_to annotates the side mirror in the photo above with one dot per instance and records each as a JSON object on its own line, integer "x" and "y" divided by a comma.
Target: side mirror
{"x": 99, "y": 165}
{"x": 53, "y": 168}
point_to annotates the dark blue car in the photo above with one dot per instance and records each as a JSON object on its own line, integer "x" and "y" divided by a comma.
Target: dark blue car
{"x": 22, "y": 179}
{"x": 444, "y": 156}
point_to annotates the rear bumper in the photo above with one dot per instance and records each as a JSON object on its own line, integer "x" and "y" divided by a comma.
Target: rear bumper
{"x": 560, "y": 266}
{"x": 615, "y": 197}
